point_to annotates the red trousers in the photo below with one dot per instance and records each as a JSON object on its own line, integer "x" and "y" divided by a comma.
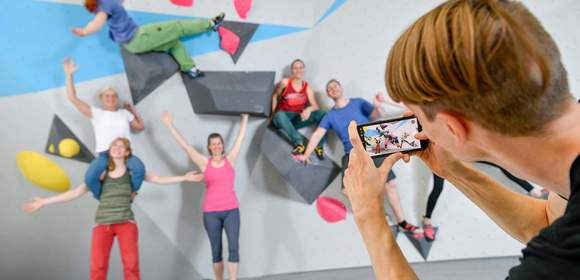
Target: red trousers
{"x": 103, "y": 236}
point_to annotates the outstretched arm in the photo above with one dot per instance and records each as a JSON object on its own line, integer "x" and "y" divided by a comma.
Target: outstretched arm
{"x": 377, "y": 102}
{"x": 233, "y": 154}
{"x": 93, "y": 26}
{"x": 520, "y": 216}
{"x": 69, "y": 68}
{"x": 312, "y": 143}
{"x": 199, "y": 159}
{"x": 192, "y": 176}
{"x": 39, "y": 202}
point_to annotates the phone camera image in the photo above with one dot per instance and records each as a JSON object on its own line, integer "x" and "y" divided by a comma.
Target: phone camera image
{"x": 391, "y": 136}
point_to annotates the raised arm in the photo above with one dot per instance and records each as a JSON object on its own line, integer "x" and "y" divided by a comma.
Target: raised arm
{"x": 192, "y": 176}
{"x": 137, "y": 123}
{"x": 39, "y": 202}
{"x": 233, "y": 154}
{"x": 69, "y": 68}
{"x": 93, "y": 26}
{"x": 377, "y": 102}
{"x": 199, "y": 159}
{"x": 312, "y": 143}
{"x": 365, "y": 189}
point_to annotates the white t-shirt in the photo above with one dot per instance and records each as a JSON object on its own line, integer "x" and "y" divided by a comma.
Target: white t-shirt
{"x": 110, "y": 125}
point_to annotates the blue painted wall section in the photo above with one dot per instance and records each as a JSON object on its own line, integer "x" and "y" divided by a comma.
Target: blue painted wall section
{"x": 337, "y": 4}
{"x": 37, "y": 38}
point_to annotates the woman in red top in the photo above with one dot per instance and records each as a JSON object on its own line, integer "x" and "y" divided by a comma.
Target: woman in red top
{"x": 294, "y": 106}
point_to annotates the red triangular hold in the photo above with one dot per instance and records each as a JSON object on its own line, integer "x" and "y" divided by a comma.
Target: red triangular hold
{"x": 229, "y": 41}
{"x": 183, "y": 3}
{"x": 243, "y": 7}
{"x": 330, "y": 209}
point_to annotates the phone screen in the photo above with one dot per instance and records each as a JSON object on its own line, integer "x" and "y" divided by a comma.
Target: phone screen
{"x": 385, "y": 137}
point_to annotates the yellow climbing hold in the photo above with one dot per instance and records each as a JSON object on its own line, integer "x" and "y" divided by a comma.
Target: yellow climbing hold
{"x": 51, "y": 148}
{"x": 42, "y": 172}
{"x": 68, "y": 147}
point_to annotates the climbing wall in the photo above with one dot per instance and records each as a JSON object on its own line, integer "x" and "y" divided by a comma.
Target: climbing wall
{"x": 281, "y": 232}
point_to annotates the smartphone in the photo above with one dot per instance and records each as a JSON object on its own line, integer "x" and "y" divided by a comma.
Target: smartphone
{"x": 382, "y": 138}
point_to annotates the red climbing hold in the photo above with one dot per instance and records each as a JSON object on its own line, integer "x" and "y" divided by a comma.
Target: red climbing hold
{"x": 243, "y": 7}
{"x": 229, "y": 41}
{"x": 330, "y": 209}
{"x": 183, "y": 3}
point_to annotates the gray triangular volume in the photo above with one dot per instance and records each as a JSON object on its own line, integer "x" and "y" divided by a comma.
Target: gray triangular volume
{"x": 58, "y": 132}
{"x": 245, "y": 31}
{"x": 147, "y": 71}
{"x": 308, "y": 181}
{"x": 231, "y": 93}
{"x": 395, "y": 230}
{"x": 421, "y": 243}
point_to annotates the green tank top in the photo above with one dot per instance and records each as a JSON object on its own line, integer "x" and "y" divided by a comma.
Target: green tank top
{"x": 115, "y": 202}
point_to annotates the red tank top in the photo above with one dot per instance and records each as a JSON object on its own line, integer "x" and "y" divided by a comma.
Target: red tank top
{"x": 293, "y": 100}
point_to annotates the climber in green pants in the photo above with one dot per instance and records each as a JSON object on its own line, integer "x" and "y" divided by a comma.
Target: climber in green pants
{"x": 155, "y": 37}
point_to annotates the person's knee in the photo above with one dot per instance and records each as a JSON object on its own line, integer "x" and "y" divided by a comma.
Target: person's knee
{"x": 234, "y": 256}
{"x": 217, "y": 258}
{"x": 132, "y": 266}
{"x": 96, "y": 168}
{"x": 233, "y": 252}
{"x": 92, "y": 175}
{"x": 137, "y": 169}
{"x": 279, "y": 117}
{"x": 136, "y": 165}
{"x": 216, "y": 249}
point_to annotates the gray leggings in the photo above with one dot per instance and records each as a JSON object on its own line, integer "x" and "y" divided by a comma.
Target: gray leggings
{"x": 214, "y": 223}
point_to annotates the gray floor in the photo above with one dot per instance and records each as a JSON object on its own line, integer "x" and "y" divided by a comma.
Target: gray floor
{"x": 474, "y": 269}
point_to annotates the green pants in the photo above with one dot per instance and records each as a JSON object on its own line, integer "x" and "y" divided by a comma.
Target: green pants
{"x": 290, "y": 122}
{"x": 164, "y": 37}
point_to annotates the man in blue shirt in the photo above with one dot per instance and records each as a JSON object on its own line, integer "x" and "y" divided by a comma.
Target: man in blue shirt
{"x": 344, "y": 111}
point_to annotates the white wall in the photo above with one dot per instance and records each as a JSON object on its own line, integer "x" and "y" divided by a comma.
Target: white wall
{"x": 279, "y": 233}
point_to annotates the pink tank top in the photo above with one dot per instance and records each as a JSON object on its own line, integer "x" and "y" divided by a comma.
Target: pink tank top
{"x": 219, "y": 183}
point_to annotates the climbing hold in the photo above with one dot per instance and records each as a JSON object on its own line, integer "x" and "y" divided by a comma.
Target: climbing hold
{"x": 330, "y": 209}
{"x": 43, "y": 172}
{"x": 68, "y": 148}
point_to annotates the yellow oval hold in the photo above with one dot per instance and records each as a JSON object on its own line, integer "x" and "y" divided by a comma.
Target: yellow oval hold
{"x": 51, "y": 148}
{"x": 68, "y": 147}
{"x": 42, "y": 172}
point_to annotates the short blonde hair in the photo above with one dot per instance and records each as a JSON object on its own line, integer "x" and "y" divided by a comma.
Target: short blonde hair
{"x": 105, "y": 89}
{"x": 490, "y": 61}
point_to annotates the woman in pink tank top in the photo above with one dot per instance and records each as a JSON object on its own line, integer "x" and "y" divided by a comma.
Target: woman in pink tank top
{"x": 220, "y": 204}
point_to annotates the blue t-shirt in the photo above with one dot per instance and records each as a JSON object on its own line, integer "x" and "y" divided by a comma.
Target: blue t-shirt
{"x": 121, "y": 25}
{"x": 357, "y": 109}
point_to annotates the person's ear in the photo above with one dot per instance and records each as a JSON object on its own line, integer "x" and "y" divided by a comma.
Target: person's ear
{"x": 455, "y": 124}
